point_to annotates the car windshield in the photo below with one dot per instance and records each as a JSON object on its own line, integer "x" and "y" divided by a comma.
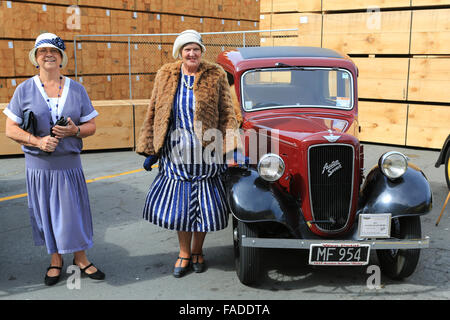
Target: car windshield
{"x": 297, "y": 87}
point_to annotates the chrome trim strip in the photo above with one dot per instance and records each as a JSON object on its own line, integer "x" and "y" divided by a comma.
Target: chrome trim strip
{"x": 306, "y": 243}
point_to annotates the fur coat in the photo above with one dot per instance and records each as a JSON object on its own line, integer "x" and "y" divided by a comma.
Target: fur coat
{"x": 214, "y": 107}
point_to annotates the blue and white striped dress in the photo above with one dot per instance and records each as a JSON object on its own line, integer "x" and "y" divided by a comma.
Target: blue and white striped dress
{"x": 187, "y": 194}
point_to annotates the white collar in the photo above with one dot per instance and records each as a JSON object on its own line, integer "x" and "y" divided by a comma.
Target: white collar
{"x": 62, "y": 100}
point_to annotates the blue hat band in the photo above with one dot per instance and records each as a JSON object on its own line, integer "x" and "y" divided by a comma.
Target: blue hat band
{"x": 57, "y": 42}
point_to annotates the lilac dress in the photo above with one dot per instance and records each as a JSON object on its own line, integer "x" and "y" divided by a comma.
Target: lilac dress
{"x": 58, "y": 200}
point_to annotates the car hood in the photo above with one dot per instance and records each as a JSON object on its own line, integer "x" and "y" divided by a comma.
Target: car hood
{"x": 298, "y": 126}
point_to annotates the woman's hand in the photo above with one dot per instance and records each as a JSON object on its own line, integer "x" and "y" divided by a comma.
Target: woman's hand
{"x": 65, "y": 131}
{"x": 48, "y": 143}
{"x": 149, "y": 161}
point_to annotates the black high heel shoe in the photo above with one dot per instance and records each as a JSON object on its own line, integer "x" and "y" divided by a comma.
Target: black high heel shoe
{"x": 50, "y": 281}
{"x": 198, "y": 267}
{"x": 97, "y": 275}
{"x": 180, "y": 271}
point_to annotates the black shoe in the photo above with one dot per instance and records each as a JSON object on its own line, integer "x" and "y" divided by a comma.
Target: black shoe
{"x": 198, "y": 267}
{"x": 180, "y": 271}
{"x": 97, "y": 275}
{"x": 50, "y": 281}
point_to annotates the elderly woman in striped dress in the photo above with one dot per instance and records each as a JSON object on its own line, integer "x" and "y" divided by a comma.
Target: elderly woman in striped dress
{"x": 190, "y": 97}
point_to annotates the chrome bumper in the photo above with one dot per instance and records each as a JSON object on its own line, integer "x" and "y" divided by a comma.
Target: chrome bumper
{"x": 306, "y": 243}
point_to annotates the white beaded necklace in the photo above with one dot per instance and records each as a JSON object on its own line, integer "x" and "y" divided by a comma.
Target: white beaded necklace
{"x": 50, "y": 109}
{"x": 190, "y": 87}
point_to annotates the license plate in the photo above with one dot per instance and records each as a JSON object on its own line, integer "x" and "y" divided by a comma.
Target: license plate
{"x": 339, "y": 254}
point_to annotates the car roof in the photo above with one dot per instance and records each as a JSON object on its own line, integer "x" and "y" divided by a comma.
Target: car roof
{"x": 287, "y": 52}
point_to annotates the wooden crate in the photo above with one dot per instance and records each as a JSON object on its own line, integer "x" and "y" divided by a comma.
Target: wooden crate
{"x": 119, "y": 56}
{"x": 151, "y": 24}
{"x": 428, "y": 80}
{"x": 7, "y": 88}
{"x": 231, "y": 9}
{"x": 266, "y": 6}
{"x": 19, "y": 20}
{"x": 7, "y": 68}
{"x": 145, "y": 57}
{"x": 166, "y": 53}
{"x": 115, "y": 127}
{"x": 125, "y": 22}
{"x": 428, "y": 125}
{"x": 296, "y": 6}
{"x": 430, "y": 32}
{"x": 96, "y": 21}
{"x": 98, "y": 87}
{"x": 382, "y": 122}
{"x": 382, "y": 78}
{"x": 62, "y": 2}
{"x": 22, "y": 64}
{"x": 429, "y": 2}
{"x": 140, "y": 109}
{"x": 120, "y": 86}
{"x": 149, "y": 5}
{"x": 142, "y": 86}
{"x": 329, "y": 5}
{"x": 7, "y": 146}
{"x": 70, "y": 68}
{"x": 3, "y": 91}
{"x": 96, "y": 58}
{"x": 250, "y": 9}
{"x": 363, "y": 33}
{"x": 309, "y": 27}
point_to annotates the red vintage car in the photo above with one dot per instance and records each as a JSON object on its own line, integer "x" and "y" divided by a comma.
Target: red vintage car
{"x": 305, "y": 186}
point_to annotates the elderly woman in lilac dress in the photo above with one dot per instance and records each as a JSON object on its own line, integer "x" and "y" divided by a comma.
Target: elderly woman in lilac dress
{"x": 58, "y": 198}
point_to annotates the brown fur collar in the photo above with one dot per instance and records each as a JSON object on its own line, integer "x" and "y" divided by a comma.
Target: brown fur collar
{"x": 214, "y": 107}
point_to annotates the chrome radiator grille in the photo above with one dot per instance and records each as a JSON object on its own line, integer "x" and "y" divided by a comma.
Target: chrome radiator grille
{"x": 331, "y": 168}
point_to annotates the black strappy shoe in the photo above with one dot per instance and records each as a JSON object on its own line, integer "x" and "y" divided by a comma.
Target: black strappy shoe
{"x": 50, "y": 281}
{"x": 198, "y": 267}
{"x": 180, "y": 271}
{"x": 97, "y": 275}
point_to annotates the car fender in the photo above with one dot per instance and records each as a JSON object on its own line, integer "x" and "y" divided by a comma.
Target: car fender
{"x": 251, "y": 199}
{"x": 441, "y": 158}
{"x": 409, "y": 195}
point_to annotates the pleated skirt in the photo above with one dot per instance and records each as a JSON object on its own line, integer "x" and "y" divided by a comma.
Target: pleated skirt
{"x": 58, "y": 203}
{"x": 192, "y": 206}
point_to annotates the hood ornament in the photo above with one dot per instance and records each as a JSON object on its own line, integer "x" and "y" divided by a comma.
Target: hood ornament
{"x": 331, "y": 137}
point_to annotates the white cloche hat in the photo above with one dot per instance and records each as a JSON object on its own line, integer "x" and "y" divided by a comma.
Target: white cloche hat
{"x": 48, "y": 40}
{"x": 187, "y": 36}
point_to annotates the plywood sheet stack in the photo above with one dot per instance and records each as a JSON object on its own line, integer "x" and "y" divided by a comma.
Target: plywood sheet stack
{"x": 402, "y": 50}
{"x": 306, "y": 16}
{"x": 103, "y": 56}
{"x": 102, "y": 62}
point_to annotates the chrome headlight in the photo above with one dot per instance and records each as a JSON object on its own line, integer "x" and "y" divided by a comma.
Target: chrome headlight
{"x": 393, "y": 164}
{"x": 271, "y": 167}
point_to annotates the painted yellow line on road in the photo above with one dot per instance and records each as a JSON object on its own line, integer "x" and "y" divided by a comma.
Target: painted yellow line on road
{"x": 22, "y": 195}
{"x": 17, "y": 196}
{"x": 113, "y": 175}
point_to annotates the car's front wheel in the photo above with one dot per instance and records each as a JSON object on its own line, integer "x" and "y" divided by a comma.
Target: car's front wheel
{"x": 401, "y": 263}
{"x": 247, "y": 259}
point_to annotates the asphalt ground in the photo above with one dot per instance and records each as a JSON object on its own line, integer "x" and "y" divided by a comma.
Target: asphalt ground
{"x": 138, "y": 257}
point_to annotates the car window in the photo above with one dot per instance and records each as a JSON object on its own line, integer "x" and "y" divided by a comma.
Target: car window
{"x": 297, "y": 87}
